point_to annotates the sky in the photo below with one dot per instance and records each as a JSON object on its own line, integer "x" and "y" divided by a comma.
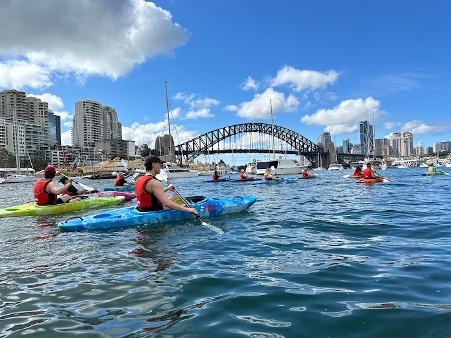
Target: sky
{"x": 318, "y": 65}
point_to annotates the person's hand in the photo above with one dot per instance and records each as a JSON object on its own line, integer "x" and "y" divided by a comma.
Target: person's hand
{"x": 171, "y": 187}
{"x": 193, "y": 211}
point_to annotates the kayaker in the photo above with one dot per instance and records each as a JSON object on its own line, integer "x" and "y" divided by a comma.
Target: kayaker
{"x": 72, "y": 191}
{"x": 243, "y": 175}
{"x": 120, "y": 180}
{"x": 305, "y": 172}
{"x": 369, "y": 172}
{"x": 267, "y": 175}
{"x": 431, "y": 169}
{"x": 46, "y": 192}
{"x": 150, "y": 193}
{"x": 357, "y": 171}
{"x": 215, "y": 176}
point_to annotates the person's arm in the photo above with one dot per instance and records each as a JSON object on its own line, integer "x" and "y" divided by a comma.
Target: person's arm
{"x": 55, "y": 190}
{"x": 155, "y": 187}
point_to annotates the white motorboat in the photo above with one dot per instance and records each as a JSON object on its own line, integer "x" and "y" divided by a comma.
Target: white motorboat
{"x": 171, "y": 170}
{"x": 281, "y": 166}
{"x": 17, "y": 175}
{"x": 336, "y": 166}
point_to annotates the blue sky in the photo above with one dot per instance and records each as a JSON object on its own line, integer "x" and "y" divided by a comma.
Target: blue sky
{"x": 323, "y": 65}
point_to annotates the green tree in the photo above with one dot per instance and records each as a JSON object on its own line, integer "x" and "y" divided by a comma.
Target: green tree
{"x": 144, "y": 150}
{"x": 7, "y": 159}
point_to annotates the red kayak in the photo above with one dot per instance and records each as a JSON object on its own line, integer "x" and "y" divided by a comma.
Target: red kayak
{"x": 372, "y": 180}
{"x": 306, "y": 177}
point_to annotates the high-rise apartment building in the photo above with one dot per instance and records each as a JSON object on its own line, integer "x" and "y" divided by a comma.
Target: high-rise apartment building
{"x": 54, "y": 130}
{"x": 366, "y": 138}
{"x": 25, "y": 123}
{"x": 87, "y": 123}
{"x": 111, "y": 126}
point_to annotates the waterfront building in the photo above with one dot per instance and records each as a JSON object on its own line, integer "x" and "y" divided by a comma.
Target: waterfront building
{"x": 25, "y": 123}
{"x": 54, "y": 130}
{"x": 347, "y": 146}
{"x": 87, "y": 125}
{"x": 366, "y": 138}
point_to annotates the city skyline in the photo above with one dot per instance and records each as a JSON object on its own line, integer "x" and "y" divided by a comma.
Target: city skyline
{"x": 317, "y": 66}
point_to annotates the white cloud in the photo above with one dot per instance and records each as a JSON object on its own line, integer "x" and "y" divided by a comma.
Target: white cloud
{"x": 201, "y": 113}
{"x": 102, "y": 37}
{"x": 250, "y": 83}
{"x": 345, "y": 117}
{"x": 304, "y": 79}
{"x": 147, "y": 133}
{"x": 20, "y": 73}
{"x": 66, "y": 138}
{"x": 260, "y": 106}
{"x": 199, "y": 107}
{"x": 417, "y": 127}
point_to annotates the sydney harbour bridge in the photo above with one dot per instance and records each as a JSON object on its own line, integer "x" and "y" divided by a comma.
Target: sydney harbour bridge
{"x": 252, "y": 138}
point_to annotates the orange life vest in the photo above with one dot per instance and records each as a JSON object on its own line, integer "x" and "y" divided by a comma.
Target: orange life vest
{"x": 146, "y": 201}
{"x": 41, "y": 196}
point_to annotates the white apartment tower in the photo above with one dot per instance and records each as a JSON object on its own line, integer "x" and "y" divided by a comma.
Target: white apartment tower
{"x": 87, "y": 124}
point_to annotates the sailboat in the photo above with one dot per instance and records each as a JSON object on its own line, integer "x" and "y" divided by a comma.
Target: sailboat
{"x": 18, "y": 174}
{"x": 280, "y": 166}
{"x": 172, "y": 169}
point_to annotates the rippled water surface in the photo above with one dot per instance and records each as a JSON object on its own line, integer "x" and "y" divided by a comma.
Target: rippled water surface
{"x": 325, "y": 257}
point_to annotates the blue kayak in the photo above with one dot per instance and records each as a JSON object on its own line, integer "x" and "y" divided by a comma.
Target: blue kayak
{"x": 131, "y": 217}
{"x": 282, "y": 180}
{"x": 121, "y": 188}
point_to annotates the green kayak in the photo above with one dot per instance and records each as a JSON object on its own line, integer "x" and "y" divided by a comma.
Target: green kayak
{"x": 435, "y": 173}
{"x": 32, "y": 209}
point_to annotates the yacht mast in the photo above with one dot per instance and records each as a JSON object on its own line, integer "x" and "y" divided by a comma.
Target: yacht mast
{"x": 169, "y": 120}
{"x": 272, "y": 129}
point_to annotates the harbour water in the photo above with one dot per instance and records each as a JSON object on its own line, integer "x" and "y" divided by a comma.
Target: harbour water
{"x": 324, "y": 257}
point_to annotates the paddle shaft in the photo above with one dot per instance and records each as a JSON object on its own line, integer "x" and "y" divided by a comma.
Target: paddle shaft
{"x": 186, "y": 202}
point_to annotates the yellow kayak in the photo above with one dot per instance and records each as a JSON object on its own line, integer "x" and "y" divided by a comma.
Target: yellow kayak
{"x": 32, "y": 209}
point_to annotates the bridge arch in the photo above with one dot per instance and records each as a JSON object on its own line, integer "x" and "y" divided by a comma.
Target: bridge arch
{"x": 203, "y": 144}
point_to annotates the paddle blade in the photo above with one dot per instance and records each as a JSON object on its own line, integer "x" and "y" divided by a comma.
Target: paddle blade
{"x": 162, "y": 176}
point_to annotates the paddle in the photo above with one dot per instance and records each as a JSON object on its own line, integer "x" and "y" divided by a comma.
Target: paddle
{"x": 162, "y": 176}
{"x": 86, "y": 187}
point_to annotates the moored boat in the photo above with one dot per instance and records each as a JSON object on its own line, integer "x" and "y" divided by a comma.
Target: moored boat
{"x": 33, "y": 209}
{"x": 131, "y": 217}
{"x": 281, "y": 166}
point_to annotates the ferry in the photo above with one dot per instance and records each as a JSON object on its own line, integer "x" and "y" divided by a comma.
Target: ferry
{"x": 281, "y": 166}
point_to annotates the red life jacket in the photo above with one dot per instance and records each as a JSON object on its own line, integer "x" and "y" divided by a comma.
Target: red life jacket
{"x": 41, "y": 196}
{"x": 357, "y": 173}
{"x": 146, "y": 201}
{"x": 119, "y": 181}
{"x": 367, "y": 173}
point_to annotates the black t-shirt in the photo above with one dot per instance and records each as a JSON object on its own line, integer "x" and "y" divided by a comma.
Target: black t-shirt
{"x": 72, "y": 190}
